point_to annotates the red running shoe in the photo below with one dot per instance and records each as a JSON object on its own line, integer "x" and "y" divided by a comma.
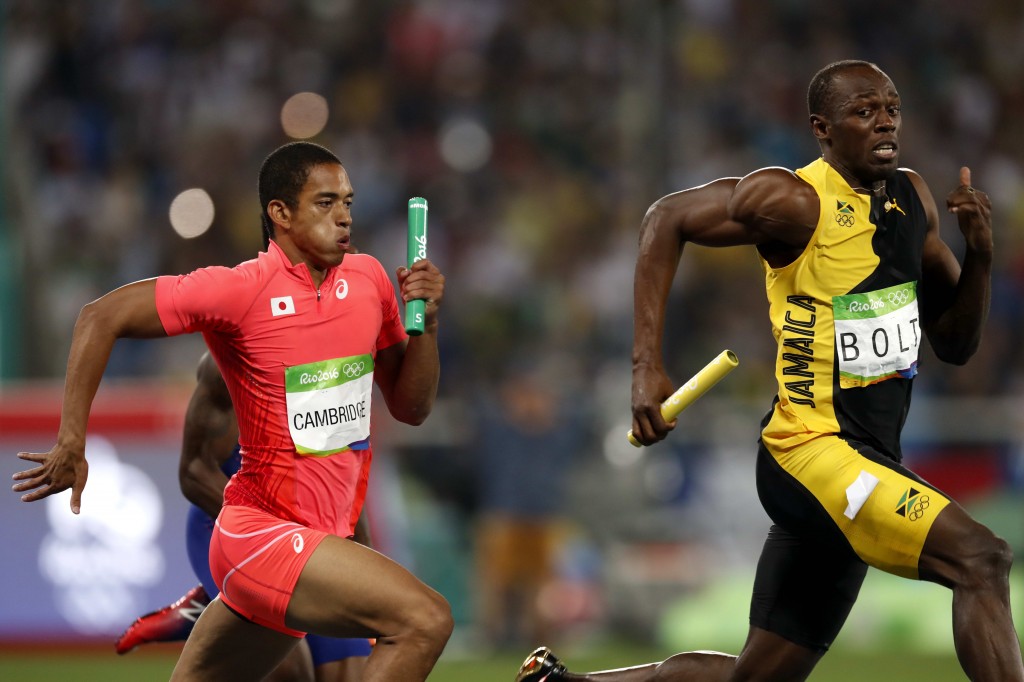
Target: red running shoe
{"x": 169, "y": 624}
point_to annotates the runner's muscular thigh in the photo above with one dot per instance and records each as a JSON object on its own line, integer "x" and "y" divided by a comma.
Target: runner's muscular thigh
{"x": 953, "y": 538}
{"x": 348, "y": 590}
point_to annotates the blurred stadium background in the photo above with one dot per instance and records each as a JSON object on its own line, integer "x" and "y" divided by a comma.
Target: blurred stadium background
{"x": 539, "y": 130}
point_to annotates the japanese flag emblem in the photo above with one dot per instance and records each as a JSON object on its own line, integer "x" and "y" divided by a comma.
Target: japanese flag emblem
{"x": 282, "y": 305}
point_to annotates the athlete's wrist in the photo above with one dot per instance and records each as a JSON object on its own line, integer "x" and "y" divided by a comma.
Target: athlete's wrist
{"x": 980, "y": 246}
{"x": 645, "y": 364}
{"x": 72, "y": 443}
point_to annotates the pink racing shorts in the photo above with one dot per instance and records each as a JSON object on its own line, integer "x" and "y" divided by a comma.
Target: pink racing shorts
{"x": 256, "y": 559}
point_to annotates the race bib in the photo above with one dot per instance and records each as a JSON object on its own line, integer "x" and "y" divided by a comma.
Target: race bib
{"x": 329, "y": 404}
{"x": 878, "y": 335}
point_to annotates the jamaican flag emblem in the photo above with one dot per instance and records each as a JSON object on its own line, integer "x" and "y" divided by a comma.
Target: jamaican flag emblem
{"x": 913, "y": 504}
{"x": 844, "y": 213}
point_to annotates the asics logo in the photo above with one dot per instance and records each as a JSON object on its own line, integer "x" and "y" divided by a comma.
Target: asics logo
{"x": 298, "y": 543}
{"x": 353, "y": 369}
{"x": 342, "y": 290}
{"x": 898, "y": 298}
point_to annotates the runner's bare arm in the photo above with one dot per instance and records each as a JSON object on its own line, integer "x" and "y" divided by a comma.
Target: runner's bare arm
{"x": 209, "y": 438}
{"x": 407, "y": 373}
{"x": 955, "y": 301}
{"x": 129, "y": 311}
{"x": 771, "y": 208}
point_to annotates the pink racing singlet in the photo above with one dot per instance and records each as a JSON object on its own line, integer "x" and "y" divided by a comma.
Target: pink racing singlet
{"x": 298, "y": 362}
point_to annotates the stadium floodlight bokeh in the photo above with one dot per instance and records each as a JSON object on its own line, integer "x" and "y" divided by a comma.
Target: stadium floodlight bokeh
{"x": 191, "y": 213}
{"x": 304, "y": 115}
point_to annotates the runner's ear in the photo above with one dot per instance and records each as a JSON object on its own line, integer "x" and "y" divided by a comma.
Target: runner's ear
{"x": 279, "y": 213}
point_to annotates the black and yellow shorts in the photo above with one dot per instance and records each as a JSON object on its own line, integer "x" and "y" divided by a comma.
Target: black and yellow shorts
{"x": 838, "y": 507}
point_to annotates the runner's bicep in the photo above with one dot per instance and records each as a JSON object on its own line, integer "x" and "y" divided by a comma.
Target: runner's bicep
{"x": 775, "y": 205}
{"x": 129, "y": 311}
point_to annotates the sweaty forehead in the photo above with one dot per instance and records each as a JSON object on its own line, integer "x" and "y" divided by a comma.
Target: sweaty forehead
{"x": 329, "y": 178}
{"x": 861, "y": 82}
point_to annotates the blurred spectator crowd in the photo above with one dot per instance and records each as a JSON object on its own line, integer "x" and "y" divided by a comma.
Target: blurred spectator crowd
{"x": 539, "y": 130}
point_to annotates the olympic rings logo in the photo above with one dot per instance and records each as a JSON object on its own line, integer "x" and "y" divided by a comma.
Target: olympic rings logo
{"x": 898, "y": 298}
{"x": 917, "y": 511}
{"x": 353, "y": 369}
{"x": 844, "y": 220}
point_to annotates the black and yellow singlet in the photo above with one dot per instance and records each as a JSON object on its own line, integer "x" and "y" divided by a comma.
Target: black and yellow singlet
{"x": 845, "y": 316}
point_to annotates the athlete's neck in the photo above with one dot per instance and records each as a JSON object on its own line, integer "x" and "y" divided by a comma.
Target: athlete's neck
{"x": 318, "y": 276}
{"x": 874, "y": 188}
{"x": 296, "y": 256}
{"x": 877, "y": 189}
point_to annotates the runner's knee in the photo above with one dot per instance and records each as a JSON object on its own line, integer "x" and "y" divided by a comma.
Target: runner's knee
{"x": 986, "y": 559}
{"x": 995, "y": 560}
{"x": 440, "y": 618}
{"x": 431, "y": 618}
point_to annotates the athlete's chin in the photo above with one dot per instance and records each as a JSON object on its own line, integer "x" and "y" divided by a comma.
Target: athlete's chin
{"x": 330, "y": 260}
{"x": 883, "y": 170}
{"x": 890, "y": 167}
{"x": 886, "y": 167}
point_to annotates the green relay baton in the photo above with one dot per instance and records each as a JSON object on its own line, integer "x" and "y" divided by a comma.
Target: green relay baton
{"x": 415, "y": 310}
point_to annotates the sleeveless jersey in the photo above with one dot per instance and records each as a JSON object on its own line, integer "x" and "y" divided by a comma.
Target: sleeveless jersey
{"x": 298, "y": 363}
{"x": 845, "y": 317}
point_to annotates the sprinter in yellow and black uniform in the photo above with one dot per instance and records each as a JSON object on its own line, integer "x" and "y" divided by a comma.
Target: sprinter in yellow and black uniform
{"x": 857, "y": 277}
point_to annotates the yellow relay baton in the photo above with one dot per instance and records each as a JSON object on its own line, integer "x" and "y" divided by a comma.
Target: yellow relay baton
{"x": 698, "y": 385}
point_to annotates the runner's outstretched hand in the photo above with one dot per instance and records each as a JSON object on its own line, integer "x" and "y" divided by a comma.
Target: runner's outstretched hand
{"x": 59, "y": 469}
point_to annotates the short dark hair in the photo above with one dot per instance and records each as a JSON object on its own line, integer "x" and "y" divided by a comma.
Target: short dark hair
{"x": 819, "y": 92}
{"x": 284, "y": 173}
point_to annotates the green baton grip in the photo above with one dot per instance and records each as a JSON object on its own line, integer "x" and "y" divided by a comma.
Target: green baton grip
{"x": 416, "y": 246}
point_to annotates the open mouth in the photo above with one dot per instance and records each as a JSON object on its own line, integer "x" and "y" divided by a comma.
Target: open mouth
{"x": 885, "y": 151}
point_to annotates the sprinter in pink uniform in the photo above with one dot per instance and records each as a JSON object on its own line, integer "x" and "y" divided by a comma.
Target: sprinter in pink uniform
{"x": 300, "y": 334}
